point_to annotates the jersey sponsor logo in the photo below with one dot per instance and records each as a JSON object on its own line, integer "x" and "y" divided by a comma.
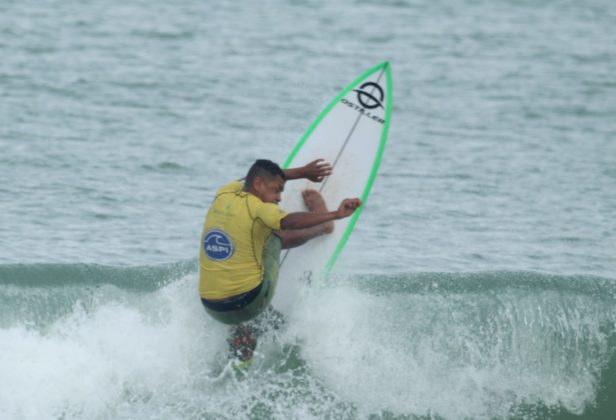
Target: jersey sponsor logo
{"x": 217, "y": 245}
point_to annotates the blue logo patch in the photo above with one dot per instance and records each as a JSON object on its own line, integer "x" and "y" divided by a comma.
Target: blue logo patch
{"x": 217, "y": 245}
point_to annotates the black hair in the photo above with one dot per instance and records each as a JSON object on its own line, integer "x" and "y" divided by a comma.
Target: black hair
{"x": 265, "y": 169}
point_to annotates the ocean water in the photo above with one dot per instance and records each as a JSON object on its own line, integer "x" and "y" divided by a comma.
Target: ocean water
{"x": 479, "y": 283}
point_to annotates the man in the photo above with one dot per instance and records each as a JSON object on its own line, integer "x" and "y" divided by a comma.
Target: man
{"x": 243, "y": 235}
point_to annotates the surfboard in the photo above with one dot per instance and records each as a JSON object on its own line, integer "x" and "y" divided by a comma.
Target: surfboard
{"x": 350, "y": 133}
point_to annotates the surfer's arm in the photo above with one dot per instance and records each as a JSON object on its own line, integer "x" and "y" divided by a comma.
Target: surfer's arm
{"x": 302, "y": 220}
{"x": 315, "y": 171}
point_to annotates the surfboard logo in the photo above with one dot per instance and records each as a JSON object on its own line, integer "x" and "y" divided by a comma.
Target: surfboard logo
{"x": 370, "y": 96}
{"x": 367, "y": 99}
{"x": 217, "y": 245}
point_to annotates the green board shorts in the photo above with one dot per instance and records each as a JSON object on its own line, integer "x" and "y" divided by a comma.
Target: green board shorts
{"x": 264, "y": 292}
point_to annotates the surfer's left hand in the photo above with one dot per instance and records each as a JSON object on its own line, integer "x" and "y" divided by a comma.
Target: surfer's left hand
{"x": 317, "y": 170}
{"x": 347, "y": 207}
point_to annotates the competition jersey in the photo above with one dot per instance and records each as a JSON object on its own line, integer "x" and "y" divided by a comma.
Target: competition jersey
{"x": 237, "y": 226}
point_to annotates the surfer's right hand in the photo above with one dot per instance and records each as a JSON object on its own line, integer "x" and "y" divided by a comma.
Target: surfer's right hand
{"x": 317, "y": 170}
{"x": 347, "y": 207}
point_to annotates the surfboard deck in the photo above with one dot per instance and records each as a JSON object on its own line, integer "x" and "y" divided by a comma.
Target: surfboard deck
{"x": 350, "y": 133}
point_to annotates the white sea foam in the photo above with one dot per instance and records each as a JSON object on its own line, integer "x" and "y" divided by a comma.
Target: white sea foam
{"x": 88, "y": 363}
{"x": 428, "y": 354}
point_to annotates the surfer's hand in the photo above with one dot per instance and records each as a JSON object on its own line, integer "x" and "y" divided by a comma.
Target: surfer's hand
{"x": 317, "y": 170}
{"x": 347, "y": 207}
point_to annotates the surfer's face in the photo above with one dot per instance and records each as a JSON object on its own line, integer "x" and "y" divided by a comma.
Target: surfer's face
{"x": 269, "y": 190}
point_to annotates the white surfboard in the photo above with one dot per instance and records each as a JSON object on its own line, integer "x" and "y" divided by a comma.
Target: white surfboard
{"x": 350, "y": 133}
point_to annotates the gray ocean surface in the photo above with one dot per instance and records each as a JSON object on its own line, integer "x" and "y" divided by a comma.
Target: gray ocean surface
{"x": 479, "y": 283}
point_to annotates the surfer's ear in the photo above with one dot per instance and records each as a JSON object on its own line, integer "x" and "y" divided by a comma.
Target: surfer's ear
{"x": 257, "y": 183}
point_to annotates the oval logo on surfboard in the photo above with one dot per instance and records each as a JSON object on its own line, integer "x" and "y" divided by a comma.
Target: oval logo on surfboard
{"x": 217, "y": 245}
{"x": 368, "y": 99}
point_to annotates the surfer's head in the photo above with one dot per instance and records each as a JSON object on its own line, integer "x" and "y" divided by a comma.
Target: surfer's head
{"x": 266, "y": 180}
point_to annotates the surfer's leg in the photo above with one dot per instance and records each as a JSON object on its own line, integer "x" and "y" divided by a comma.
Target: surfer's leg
{"x": 242, "y": 342}
{"x": 294, "y": 238}
{"x": 258, "y": 313}
{"x": 243, "y": 337}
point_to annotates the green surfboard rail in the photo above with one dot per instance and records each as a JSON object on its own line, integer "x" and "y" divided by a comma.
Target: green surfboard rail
{"x": 377, "y": 159}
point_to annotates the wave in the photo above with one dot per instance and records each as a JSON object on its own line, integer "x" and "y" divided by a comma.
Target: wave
{"x": 480, "y": 345}
{"x": 39, "y": 294}
{"x": 481, "y": 282}
{"x": 142, "y": 278}
{"x": 406, "y": 345}
{"x": 152, "y": 277}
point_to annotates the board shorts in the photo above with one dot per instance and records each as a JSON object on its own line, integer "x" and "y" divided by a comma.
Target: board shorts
{"x": 244, "y": 307}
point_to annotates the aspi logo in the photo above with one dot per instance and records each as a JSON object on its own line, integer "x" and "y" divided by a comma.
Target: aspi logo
{"x": 217, "y": 245}
{"x": 367, "y": 99}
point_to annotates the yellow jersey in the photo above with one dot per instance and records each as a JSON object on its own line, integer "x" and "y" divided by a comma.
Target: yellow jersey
{"x": 237, "y": 227}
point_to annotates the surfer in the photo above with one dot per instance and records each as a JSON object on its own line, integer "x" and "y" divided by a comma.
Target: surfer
{"x": 242, "y": 238}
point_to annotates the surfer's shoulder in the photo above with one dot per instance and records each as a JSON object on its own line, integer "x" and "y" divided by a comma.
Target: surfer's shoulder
{"x": 231, "y": 187}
